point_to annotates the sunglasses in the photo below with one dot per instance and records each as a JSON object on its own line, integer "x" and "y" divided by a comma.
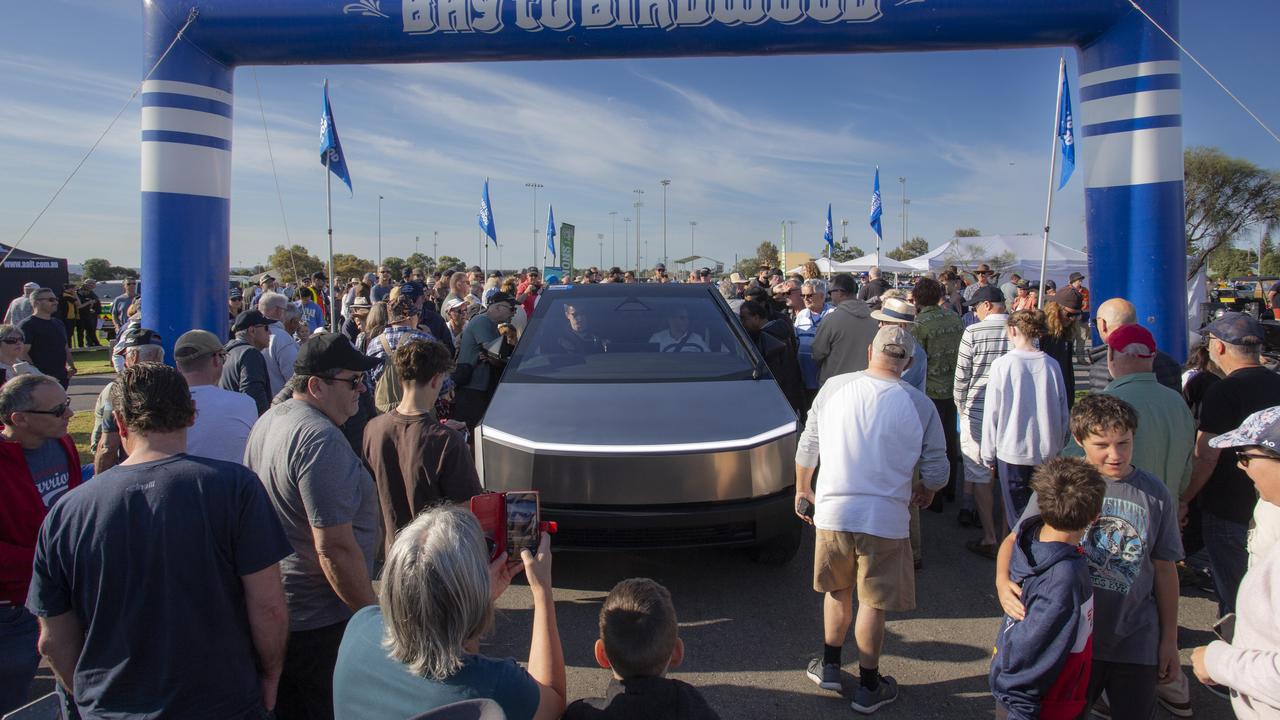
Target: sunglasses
{"x": 1245, "y": 458}
{"x": 808, "y": 295}
{"x": 353, "y": 382}
{"x": 56, "y": 412}
{"x": 11, "y": 340}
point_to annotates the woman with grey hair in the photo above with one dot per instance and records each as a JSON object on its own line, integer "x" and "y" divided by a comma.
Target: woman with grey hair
{"x": 12, "y": 345}
{"x": 418, "y": 648}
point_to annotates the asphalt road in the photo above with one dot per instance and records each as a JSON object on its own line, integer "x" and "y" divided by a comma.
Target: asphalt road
{"x": 84, "y": 390}
{"x": 749, "y": 629}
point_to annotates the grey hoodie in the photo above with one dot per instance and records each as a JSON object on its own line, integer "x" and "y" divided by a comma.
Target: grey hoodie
{"x": 843, "y": 338}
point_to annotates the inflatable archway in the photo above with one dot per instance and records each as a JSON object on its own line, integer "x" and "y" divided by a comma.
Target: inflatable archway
{"x": 1129, "y": 121}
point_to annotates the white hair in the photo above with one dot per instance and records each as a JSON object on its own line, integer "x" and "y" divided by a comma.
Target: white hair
{"x": 144, "y": 353}
{"x": 817, "y": 285}
{"x": 435, "y": 591}
{"x": 270, "y": 300}
{"x": 874, "y": 271}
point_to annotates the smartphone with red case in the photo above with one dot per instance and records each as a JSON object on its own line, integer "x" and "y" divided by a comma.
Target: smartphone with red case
{"x": 510, "y": 521}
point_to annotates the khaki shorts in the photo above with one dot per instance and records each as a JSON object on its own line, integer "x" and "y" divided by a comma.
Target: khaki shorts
{"x": 881, "y": 569}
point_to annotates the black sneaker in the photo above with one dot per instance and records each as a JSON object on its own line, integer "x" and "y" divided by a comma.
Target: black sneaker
{"x": 825, "y": 676}
{"x": 868, "y": 701}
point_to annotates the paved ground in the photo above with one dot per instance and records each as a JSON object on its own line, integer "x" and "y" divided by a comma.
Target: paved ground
{"x": 749, "y": 630}
{"x": 84, "y": 390}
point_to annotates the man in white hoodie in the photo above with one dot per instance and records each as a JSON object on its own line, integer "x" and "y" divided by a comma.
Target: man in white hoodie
{"x": 1246, "y": 659}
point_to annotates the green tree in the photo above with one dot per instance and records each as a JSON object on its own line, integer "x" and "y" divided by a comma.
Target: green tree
{"x": 1224, "y": 197}
{"x": 418, "y": 260}
{"x": 968, "y": 232}
{"x": 1229, "y": 262}
{"x": 767, "y": 254}
{"x": 349, "y": 266}
{"x": 915, "y": 247}
{"x": 97, "y": 269}
{"x": 449, "y": 262}
{"x": 395, "y": 265}
{"x": 844, "y": 252}
{"x": 292, "y": 263}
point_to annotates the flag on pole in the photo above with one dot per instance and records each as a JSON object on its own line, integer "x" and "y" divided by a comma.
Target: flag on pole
{"x": 828, "y": 235}
{"x": 330, "y": 148}
{"x": 551, "y": 231}
{"x": 485, "y": 218}
{"x": 875, "y": 206}
{"x": 1066, "y": 134}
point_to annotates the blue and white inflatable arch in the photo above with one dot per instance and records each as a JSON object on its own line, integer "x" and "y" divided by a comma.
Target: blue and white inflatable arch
{"x": 1129, "y": 120}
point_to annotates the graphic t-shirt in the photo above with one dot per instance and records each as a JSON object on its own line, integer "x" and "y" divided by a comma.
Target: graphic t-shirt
{"x": 48, "y": 465}
{"x": 1138, "y": 525}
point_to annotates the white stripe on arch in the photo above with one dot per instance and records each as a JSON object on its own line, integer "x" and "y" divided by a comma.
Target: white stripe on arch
{"x": 1124, "y": 72}
{"x": 1136, "y": 157}
{"x": 1150, "y": 103}
{"x": 186, "y": 169}
{"x": 186, "y": 121}
{"x": 184, "y": 88}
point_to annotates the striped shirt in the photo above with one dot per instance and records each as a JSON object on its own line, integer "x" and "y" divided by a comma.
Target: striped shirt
{"x": 980, "y": 345}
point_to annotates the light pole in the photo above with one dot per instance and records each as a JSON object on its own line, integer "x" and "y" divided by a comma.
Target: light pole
{"x": 415, "y": 247}
{"x": 792, "y": 237}
{"x": 692, "y": 224}
{"x": 626, "y": 238}
{"x": 435, "y": 248}
{"x": 500, "y": 256}
{"x": 600, "y": 238}
{"x": 639, "y": 203}
{"x": 664, "y": 183}
{"x": 534, "y": 187}
{"x": 379, "y": 229}
{"x": 613, "y": 238}
{"x": 844, "y": 233}
{"x": 903, "y": 180}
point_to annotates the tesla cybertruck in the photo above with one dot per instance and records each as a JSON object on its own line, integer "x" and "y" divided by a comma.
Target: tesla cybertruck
{"x": 647, "y": 419}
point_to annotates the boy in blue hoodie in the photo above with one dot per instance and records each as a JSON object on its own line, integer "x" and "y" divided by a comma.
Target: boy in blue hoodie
{"x": 1131, "y": 549}
{"x": 1041, "y": 663}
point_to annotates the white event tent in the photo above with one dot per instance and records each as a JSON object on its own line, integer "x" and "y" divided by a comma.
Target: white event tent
{"x": 969, "y": 251}
{"x": 862, "y": 264}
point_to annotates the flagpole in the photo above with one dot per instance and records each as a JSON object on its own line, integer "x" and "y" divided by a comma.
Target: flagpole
{"x": 328, "y": 211}
{"x": 1053, "y": 171}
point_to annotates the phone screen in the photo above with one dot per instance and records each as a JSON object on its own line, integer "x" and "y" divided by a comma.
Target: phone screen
{"x": 522, "y": 522}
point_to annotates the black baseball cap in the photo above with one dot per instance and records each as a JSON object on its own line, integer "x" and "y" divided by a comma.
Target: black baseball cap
{"x": 1235, "y": 328}
{"x": 502, "y": 297}
{"x": 250, "y": 318}
{"x": 989, "y": 293}
{"x": 326, "y": 353}
{"x": 412, "y": 290}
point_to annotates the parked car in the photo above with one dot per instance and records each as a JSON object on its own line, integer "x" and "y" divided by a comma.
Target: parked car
{"x": 638, "y": 435}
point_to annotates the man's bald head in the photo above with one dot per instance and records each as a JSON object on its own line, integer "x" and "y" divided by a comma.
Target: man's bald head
{"x": 1114, "y": 313}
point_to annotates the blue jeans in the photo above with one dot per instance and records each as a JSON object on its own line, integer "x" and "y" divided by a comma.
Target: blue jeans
{"x": 1227, "y": 543}
{"x": 1015, "y": 489}
{"x": 18, "y": 656}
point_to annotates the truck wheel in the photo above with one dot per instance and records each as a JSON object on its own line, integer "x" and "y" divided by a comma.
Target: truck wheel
{"x": 779, "y": 549}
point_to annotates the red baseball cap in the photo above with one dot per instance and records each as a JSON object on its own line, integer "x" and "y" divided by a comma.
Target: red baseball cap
{"x": 1126, "y": 335}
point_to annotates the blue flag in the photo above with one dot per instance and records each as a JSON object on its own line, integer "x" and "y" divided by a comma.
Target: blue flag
{"x": 485, "y": 218}
{"x": 875, "y": 206}
{"x": 551, "y": 231}
{"x": 828, "y": 236}
{"x": 1066, "y": 134}
{"x": 330, "y": 148}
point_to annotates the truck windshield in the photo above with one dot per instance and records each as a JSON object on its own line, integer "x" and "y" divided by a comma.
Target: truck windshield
{"x": 620, "y": 339}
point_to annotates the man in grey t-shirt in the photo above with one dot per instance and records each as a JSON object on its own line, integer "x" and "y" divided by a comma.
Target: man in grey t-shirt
{"x": 328, "y": 505}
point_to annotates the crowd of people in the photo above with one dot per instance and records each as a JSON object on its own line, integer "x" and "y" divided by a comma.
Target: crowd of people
{"x": 244, "y": 500}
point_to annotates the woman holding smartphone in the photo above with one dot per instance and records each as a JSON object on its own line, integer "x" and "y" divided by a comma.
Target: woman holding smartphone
{"x": 418, "y": 648}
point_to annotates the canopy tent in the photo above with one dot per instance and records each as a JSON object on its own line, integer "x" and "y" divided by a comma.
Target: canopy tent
{"x": 862, "y": 264}
{"x": 966, "y": 253}
{"x": 866, "y": 262}
{"x": 23, "y": 267}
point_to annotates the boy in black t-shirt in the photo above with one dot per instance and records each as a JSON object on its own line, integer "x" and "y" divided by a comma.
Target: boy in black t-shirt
{"x": 638, "y": 641}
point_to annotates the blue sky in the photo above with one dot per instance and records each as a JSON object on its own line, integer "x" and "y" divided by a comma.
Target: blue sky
{"x": 747, "y": 142}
